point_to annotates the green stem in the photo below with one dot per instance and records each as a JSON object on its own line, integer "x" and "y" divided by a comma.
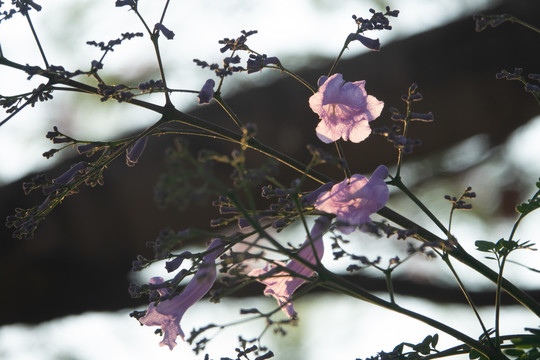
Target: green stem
{"x": 389, "y": 284}
{"x": 341, "y": 155}
{"x": 396, "y": 181}
{"x": 334, "y": 282}
{"x": 27, "y": 15}
{"x": 229, "y": 111}
{"x": 498, "y": 301}
{"x": 446, "y": 259}
{"x": 523, "y": 23}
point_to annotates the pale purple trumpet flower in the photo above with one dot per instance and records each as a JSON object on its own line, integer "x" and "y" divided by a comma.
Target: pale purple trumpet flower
{"x": 282, "y": 284}
{"x": 168, "y": 313}
{"x": 354, "y": 200}
{"x": 345, "y": 109}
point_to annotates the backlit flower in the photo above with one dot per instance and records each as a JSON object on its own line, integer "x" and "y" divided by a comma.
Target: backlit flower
{"x": 281, "y": 285}
{"x": 345, "y": 109}
{"x": 168, "y": 313}
{"x": 354, "y": 200}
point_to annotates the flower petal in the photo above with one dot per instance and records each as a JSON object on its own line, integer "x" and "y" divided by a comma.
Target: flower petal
{"x": 354, "y": 200}
{"x": 282, "y": 285}
{"x": 168, "y": 313}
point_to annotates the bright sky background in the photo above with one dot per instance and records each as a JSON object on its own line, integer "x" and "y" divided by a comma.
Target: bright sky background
{"x": 291, "y": 30}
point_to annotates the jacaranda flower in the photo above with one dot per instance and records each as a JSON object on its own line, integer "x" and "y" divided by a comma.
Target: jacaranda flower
{"x": 345, "y": 109}
{"x": 281, "y": 285}
{"x": 168, "y": 313}
{"x": 354, "y": 200}
{"x": 207, "y": 92}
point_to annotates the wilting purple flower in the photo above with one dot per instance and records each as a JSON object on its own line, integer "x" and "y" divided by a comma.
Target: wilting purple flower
{"x": 134, "y": 153}
{"x": 345, "y": 109}
{"x": 166, "y": 32}
{"x": 207, "y": 92}
{"x": 282, "y": 285}
{"x": 371, "y": 44}
{"x": 168, "y": 313}
{"x": 354, "y": 200}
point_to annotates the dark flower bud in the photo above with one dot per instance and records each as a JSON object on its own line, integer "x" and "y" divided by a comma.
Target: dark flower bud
{"x": 61, "y": 140}
{"x": 207, "y": 92}
{"x": 228, "y": 210}
{"x": 200, "y": 63}
{"x": 120, "y": 3}
{"x": 133, "y": 154}
{"x": 231, "y": 60}
{"x": 271, "y": 60}
{"x": 52, "y": 134}
{"x": 218, "y": 222}
{"x": 371, "y": 44}
{"x": 421, "y": 117}
{"x": 175, "y": 263}
{"x": 535, "y": 77}
{"x": 69, "y": 175}
{"x": 88, "y": 148}
{"x": 166, "y": 32}
{"x": 134, "y": 291}
{"x": 532, "y": 88}
{"x": 49, "y": 154}
{"x": 96, "y": 65}
{"x": 35, "y": 6}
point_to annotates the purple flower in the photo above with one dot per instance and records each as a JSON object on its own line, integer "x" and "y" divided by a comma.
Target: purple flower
{"x": 309, "y": 199}
{"x": 345, "y": 109}
{"x": 354, "y": 200}
{"x": 168, "y": 313}
{"x": 135, "y": 152}
{"x": 282, "y": 285}
{"x": 207, "y": 92}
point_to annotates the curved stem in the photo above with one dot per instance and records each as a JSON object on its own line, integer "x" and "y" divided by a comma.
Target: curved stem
{"x": 228, "y": 110}
{"x": 334, "y": 282}
{"x": 296, "y": 77}
{"x": 396, "y": 181}
{"x": 446, "y": 259}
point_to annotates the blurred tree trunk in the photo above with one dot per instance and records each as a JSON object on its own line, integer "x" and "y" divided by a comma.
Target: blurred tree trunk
{"x": 81, "y": 256}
